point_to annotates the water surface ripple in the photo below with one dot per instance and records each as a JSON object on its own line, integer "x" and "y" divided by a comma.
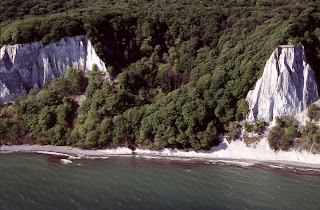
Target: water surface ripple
{"x": 33, "y": 181}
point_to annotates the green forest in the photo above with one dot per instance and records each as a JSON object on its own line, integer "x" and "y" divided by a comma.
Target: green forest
{"x": 183, "y": 68}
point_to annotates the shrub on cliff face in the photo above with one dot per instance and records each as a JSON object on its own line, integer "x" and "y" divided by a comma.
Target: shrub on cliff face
{"x": 278, "y": 140}
{"x": 308, "y": 130}
{"x": 313, "y": 112}
{"x": 233, "y": 130}
{"x": 316, "y": 137}
{"x": 257, "y": 126}
{"x": 282, "y": 135}
{"x": 247, "y": 126}
{"x": 286, "y": 121}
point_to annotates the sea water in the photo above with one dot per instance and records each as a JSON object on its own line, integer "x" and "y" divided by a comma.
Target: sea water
{"x": 39, "y": 181}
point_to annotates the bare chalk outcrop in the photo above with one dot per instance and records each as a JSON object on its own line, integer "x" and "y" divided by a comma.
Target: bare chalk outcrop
{"x": 287, "y": 86}
{"x": 29, "y": 65}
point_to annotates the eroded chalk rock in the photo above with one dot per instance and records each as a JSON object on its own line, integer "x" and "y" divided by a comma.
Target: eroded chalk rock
{"x": 287, "y": 86}
{"x": 29, "y": 65}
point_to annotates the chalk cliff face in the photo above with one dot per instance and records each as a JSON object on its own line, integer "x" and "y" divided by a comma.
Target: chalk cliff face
{"x": 29, "y": 65}
{"x": 287, "y": 86}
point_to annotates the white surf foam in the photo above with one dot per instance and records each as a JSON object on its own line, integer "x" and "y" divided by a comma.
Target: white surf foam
{"x": 116, "y": 151}
{"x": 237, "y": 149}
{"x": 233, "y": 162}
{"x": 65, "y": 161}
{"x": 276, "y": 166}
{"x": 54, "y": 153}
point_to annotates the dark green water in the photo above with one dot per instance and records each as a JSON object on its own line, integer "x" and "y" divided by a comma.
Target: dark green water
{"x": 32, "y": 181}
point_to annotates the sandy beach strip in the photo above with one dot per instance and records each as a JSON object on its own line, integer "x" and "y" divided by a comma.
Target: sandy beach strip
{"x": 63, "y": 150}
{"x": 238, "y": 150}
{"x": 235, "y": 151}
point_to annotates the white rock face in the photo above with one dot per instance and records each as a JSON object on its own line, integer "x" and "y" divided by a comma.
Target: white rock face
{"x": 29, "y": 65}
{"x": 287, "y": 86}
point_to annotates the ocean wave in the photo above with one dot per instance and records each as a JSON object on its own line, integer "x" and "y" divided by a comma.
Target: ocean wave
{"x": 55, "y": 153}
{"x": 6, "y": 152}
{"x": 96, "y": 157}
{"x": 309, "y": 169}
{"x": 166, "y": 157}
{"x": 232, "y": 162}
{"x": 65, "y": 161}
{"x": 278, "y": 166}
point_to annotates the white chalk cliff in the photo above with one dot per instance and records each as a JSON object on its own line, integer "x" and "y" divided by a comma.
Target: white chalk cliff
{"x": 29, "y": 65}
{"x": 287, "y": 86}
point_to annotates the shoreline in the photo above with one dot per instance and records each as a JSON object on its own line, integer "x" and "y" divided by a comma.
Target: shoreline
{"x": 236, "y": 151}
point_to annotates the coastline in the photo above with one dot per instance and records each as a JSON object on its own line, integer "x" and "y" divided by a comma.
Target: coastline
{"x": 64, "y": 150}
{"x": 236, "y": 151}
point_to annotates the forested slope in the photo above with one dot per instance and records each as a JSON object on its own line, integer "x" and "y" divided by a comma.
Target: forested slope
{"x": 183, "y": 67}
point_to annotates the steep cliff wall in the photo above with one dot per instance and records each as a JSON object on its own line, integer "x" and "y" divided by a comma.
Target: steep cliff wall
{"x": 29, "y": 65}
{"x": 287, "y": 86}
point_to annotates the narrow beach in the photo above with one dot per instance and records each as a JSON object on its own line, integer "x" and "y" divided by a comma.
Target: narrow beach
{"x": 236, "y": 150}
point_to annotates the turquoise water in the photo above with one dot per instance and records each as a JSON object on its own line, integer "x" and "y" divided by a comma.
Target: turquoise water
{"x": 33, "y": 181}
